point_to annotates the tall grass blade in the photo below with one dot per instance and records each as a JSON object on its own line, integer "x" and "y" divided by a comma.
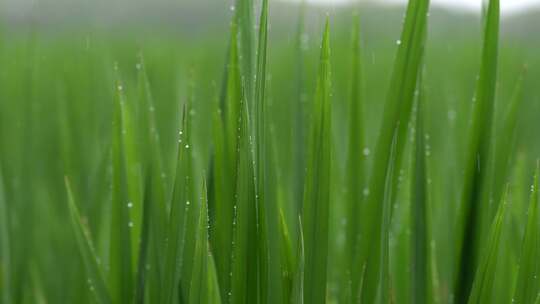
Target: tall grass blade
{"x": 203, "y": 286}
{"x": 420, "y": 255}
{"x": 355, "y": 162}
{"x": 394, "y": 125}
{"x": 483, "y": 282}
{"x": 120, "y": 274}
{"x": 477, "y": 154}
{"x": 155, "y": 174}
{"x": 267, "y": 208}
{"x": 225, "y": 145}
{"x": 244, "y": 286}
{"x": 178, "y": 217}
{"x": 5, "y": 250}
{"x": 94, "y": 272}
{"x": 246, "y": 42}
{"x": 317, "y": 185}
{"x": 529, "y": 266}
{"x": 297, "y": 294}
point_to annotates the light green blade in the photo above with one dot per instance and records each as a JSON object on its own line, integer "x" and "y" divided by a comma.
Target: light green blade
{"x": 395, "y": 118}
{"x": 244, "y": 283}
{"x": 527, "y": 281}
{"x": 94, "y": 272}
{"x": 483, "y": 282}
{"x": 5, "y": 259}
{"x": 178, "y": 217}
{"x": 120, "y": 273}
{"x": 480, "y": 135}
{"x": 317, "y": 184}
{"x": 355, "y": 165}
{"x": 203, "y": 283}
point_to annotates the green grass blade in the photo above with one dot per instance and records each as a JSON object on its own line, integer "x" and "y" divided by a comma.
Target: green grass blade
{"x": 154, "y": 169}
{"x": 299, "y": 115}
{"x": 120, "y": 273}
{"x": 94, "y": 273}
{"x": 203, "y": 287}
{"x": 297, "y": 294}
{"x": 507, "y": 137}
{"x": 178, "y": 218}
{"x": 317, "y": 189}
{"x": 246, "y": 42}
{"x": 420, "y": 256}
{"x": 267, "y": 208}
{"x": 144, "y": 245}
{"x": 527, "y": 281}
{"x": 5, "y": 259}
{"x": 394, "y": 121}
{"x": 244, "y": 286}
{"x": 477, "y": 154}
{"x": 355, "y": 164}
{"x": 483, "y": 282}
{"x": 225, "y": 145}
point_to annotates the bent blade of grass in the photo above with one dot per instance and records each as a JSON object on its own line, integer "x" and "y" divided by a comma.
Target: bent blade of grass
{"x": 395, "y": 119}
{"x": 5, "y": 259}
{"x": 120, "y": 273}
{"x": 180, "y": 205}
{"x": 317, "y": 189}
{"x": 527, "y": 281}
{"x": 480, "y": 136}
{"x": 96, "y": 280}
{"x": 481, "y": 291}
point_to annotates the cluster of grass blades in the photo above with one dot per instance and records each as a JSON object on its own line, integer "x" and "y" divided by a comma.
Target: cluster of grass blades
{"x": 171, "y": 212}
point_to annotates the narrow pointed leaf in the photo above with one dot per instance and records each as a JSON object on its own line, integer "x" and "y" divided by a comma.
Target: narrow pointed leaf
{"x": 317, "y": 188}
{"x": 96, "y": 282}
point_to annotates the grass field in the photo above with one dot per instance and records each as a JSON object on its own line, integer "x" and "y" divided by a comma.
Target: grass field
{"x": 272, "y": 153}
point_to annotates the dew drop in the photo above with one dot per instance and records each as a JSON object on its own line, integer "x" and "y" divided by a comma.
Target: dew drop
{"x": 366, "y": 151}
{"x": 365, "y": 192}
{"x": 398, "y": 42}
{"x": 130, "y": 205}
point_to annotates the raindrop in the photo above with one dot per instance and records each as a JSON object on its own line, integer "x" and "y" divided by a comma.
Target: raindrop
{"x": 187, "y": 146}
{"x": 130, "y": 224}
{"x": 366, "y": 191}
{"x": 187, "y": 203}
{"x": 366, "y": 151}
{"x": 398, "y": 42}
{"x": 130, "y": 204}
{"x": 138, "y": 66}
